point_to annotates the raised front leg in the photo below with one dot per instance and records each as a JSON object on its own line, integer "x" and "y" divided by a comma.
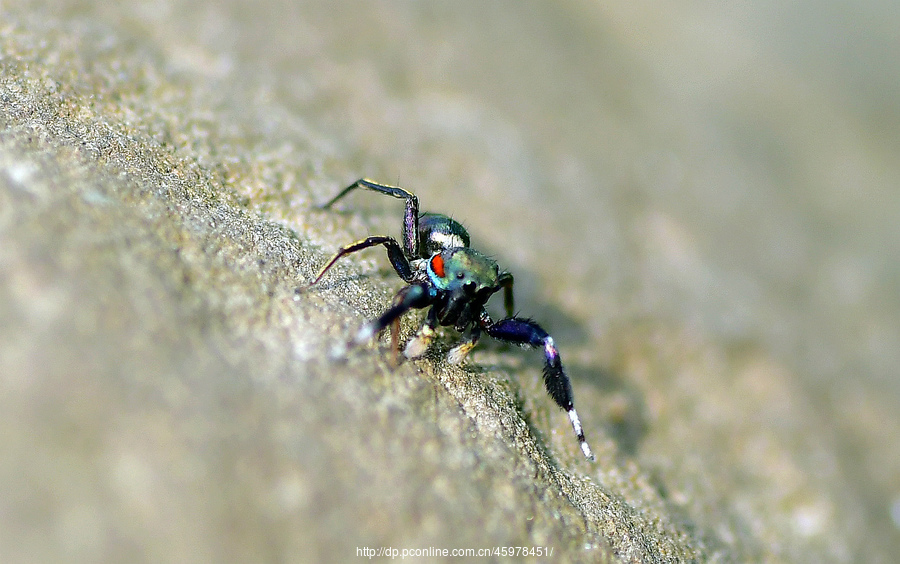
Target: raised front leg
{"x": 410, "y": 218}
{"x": 395, "y": 254}
{"x": 506, "y": 282}
{"x": 528, "y": 333}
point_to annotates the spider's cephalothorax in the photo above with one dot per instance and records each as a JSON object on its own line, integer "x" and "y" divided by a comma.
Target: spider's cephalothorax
{"x": 455, "y": 282}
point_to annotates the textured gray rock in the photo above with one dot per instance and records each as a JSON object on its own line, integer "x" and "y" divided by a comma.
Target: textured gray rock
{"x": 725, "y": 303}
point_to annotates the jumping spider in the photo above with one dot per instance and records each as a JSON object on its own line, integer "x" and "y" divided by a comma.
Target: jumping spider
{"x": 443, "y": 272}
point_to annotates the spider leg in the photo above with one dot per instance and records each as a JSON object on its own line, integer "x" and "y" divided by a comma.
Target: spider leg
{"x": 459, "y": 353}
{"x": 410, "y": 217}
{"x": 527, "y": 333}
{"x": 506, "y": 282}
{"x": 409, "y": 297}
{"x": 395, "y": 254}
{"x": 419, "y": 344}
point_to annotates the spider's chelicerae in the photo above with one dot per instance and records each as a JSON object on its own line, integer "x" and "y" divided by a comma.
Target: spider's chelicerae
{"x": 455, "y": 281}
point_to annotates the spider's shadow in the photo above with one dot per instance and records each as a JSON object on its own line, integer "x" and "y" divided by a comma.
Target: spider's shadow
{"x": 626, "y": 417}
{"x": 625, "y": 422}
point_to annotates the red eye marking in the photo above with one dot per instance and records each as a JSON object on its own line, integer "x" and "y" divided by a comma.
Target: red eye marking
{"x": 437, "y": 265}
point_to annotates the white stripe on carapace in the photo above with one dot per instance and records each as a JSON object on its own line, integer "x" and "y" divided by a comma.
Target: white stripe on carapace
{"x": 446, "y": 240}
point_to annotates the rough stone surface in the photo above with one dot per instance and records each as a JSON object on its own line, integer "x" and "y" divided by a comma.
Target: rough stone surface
{"x": 699, "y": 205}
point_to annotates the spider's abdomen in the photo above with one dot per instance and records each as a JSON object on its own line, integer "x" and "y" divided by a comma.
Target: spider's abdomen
{"x": 438, "y": 232}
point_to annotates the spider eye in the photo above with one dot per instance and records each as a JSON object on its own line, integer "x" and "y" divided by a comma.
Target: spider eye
{"x": 469, "y": 287}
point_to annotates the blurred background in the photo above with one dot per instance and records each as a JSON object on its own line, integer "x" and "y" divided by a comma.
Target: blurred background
{"x": 699, "y": 200}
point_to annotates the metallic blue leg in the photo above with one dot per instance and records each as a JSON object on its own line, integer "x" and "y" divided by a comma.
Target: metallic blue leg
{"x": 527, "y": 333}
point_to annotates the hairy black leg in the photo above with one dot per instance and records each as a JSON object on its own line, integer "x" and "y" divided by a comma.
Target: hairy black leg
{"x": 506, "y": 282}
{"x": 528, "y": 333}
{"x": 409, "y": 297}
{"x": 418, "y": 345}
{"x": 395, "y": 254}
{"x": 410, "y": 218}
